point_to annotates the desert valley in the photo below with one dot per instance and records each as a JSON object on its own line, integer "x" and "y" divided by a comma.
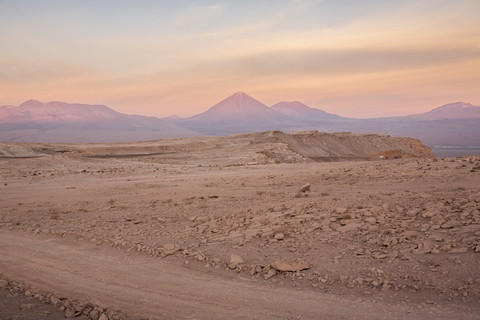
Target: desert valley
{"x": 267, "y": 160}
{"x": 254, "y": 226}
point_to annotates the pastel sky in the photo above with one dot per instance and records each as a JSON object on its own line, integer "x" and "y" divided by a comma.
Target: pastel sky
{"x": 366, "y": 58}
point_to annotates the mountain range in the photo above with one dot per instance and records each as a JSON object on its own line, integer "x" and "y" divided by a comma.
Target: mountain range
{"x": 455, "y": 125}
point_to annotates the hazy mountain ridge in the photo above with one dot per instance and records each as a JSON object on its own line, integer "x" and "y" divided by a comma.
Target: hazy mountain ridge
{"x": 34, "y": 121}
{"x": 455, "y": 124}
{"x": 456, "y": 110}
{"x": 56, "y": 111}
{"x": 298, "y": 110}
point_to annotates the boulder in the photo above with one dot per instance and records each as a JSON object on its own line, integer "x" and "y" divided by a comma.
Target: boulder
{"x": 291, "y": 265}
{"x": 235, "y": 261}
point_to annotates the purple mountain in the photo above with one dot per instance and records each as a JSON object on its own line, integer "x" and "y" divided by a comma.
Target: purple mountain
{"x": 57, "y": 112}
{"x": 298, "y": 110}
{"x": 455, "y": 124}
{"x": 34, "y": 121}
{"x": 456, "y": 110}
{"x": 239, "y": 107}
{"x": 239, "y": 113}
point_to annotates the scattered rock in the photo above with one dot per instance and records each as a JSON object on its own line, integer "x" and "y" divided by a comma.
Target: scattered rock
{"x": 169, "y": 246}
{"x": 458, "y": 250}
{"x": 270, "y": 274}
{"x": 39, "y": 297}
{"x": 279, "y": 236}
{"x": 377, "y": 283}
{"x": 379, "y": 256}
{"x": 412, "y": 212}
{"x": 169, "y": 249}
{"x": 293, "y": 265}
{"x": 428, "y": 246}
{"x": 349, "y": 225}
{"x": 386, "y": 285}
{"x": 305, "y": 188}
{"x": 429, "y": 214}
{"x": 437, "y": 237}
{"x": 55, "y": 301}
{"x": 94, "y": 314}
{"x": 69, "y": 313}
{"x": 200, "y": 256}
{"x": 371, "y": 220}
{"x": 103, "y": 316}
{"x": 446, "y": 247}
{"x": 449, "y": 224}
{"x": 235, "y": 261}
{"x": 3, "y": 283}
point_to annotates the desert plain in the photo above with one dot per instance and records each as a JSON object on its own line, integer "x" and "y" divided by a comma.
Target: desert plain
{"x": 255, "y": 226}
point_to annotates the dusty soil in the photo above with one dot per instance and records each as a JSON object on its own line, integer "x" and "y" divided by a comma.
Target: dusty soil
{"x": 241, "y": 230}
{"x": 15, "y": 305}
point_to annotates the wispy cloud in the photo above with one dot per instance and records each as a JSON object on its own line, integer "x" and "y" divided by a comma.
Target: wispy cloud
{"x": 197, "y": 14}
{"x": 338, "y": 62}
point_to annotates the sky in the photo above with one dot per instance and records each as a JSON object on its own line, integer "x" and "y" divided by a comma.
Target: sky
{"x": 369, "y": 58}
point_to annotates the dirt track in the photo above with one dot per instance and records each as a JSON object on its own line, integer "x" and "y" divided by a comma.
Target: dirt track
{"x": 153, "y": 288}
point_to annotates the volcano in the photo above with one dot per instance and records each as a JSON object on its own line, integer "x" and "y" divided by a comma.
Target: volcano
{"x": 239, "y": 113}
{"x": 239, "y": 107}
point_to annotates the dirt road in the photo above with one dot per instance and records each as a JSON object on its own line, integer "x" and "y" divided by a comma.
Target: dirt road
{"x": 158, "y": 289}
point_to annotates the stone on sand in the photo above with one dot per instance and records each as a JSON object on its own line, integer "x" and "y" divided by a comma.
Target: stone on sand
{"x": 305, "y": 188}
{"x": 103, "y": 316}
{"x": 291, "y": 265}
{"x": 235, "y": 261}
{"x": 279, "y": 236}
{"x": 270, "y": 274}
{"x": 169, "y": 249}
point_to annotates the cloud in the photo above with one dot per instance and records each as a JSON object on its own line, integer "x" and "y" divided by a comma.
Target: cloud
{"x": 196, "y": 14}
{"x": 336, "y": 62}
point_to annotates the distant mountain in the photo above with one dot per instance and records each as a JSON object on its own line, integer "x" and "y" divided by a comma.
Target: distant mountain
{"x": 456, "y": 110}
{"x": 34, "y": 121}
{"x": 452, "y": 125}
{"x": 236, "y": 108}
{"x": 56, "y": 112}
{"x": 300, "y": 111}
{"x": 239, "y": 113}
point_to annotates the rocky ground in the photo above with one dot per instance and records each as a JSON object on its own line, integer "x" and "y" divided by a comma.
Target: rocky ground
{"x": 404, "y": 230}
{"x": 16, "y": 303}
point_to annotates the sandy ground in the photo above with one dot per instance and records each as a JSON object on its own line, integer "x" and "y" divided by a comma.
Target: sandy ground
{"x": 202, "y": 235}
{"x": 147, "y": 287}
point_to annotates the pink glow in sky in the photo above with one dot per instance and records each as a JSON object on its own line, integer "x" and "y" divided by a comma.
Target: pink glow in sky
{"x": 353, "y": 58}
